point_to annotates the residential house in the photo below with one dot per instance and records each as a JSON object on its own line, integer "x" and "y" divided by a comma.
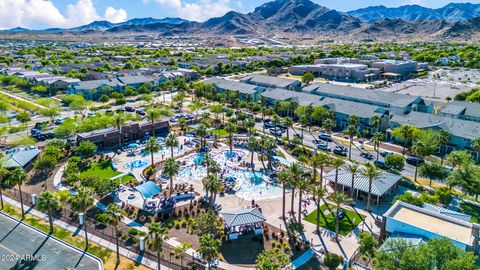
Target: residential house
{"x": 246, "y": 91}
{"x": 273, "y": 82}
{"x": 461, "y": 110}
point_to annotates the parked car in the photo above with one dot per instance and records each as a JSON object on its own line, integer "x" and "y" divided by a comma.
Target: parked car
{"x": 414, "y": 160}
{"x": 385, "y": 153}
{"x": 325, "y": 137}
{"x": 323, "y": 146}
{"x": 129, "y": 109}
{"x": 141, "y": 112}
{"x": 382, "y": 165}
{"x": 276, "y": 132}
{"x": 269, "y": 124}
{"x": 58, "y": 121}
{"x": 367, "y": 155}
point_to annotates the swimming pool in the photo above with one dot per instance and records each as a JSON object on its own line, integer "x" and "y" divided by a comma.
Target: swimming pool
{"x": 135, "y": 164}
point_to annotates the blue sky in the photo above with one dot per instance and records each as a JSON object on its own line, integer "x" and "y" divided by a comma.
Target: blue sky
{"x": 37, "y": 14}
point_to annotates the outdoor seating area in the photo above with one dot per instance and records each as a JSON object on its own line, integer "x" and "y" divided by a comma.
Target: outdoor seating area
{"x": 242, "y": 222}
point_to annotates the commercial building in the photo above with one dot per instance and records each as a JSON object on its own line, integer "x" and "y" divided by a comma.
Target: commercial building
{"x": 339, "y": 72}
{"x": 130, "y": 132}
{"x": 404, "y": 218}
{"x": 245, "y": 91}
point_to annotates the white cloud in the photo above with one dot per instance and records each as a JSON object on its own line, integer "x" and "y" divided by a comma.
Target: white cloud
{"x": 43, "y": 14}
{"x": 200, "y": 11}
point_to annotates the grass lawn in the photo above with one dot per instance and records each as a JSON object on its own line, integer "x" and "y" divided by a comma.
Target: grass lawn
{"x": 220, "y": 132}
{"x": 472, "y": 210}
{"x": 104, "y": 169}
{"x": 345, "y": 224}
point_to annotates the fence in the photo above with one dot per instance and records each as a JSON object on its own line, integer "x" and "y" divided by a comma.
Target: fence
{"x": 107, "y": 232}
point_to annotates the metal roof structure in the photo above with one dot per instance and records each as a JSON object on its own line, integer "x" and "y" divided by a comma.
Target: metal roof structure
{"x": 380, "y": 185}
{"x": 243, "y": 217}
{"x": 148, "y": 189}
{"x": 240, "y": 87}
{"x": 20, "y": 158}
{"x": 270, "y": 81}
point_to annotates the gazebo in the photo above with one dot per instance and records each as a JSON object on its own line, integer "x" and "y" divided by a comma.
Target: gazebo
{"x": 243, "y": 221}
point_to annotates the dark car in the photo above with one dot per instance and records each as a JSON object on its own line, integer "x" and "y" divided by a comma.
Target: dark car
{"x": 414, "y": 160}
{"x": 340, "y": 151}
{"x": 276, "y": 132}
{"x": 58, "y": 121}
{"x": 325, "y": 137}
{"x": 385, "y": 153}
{"x": 367, "y": 155}
{"x": 141, "y": 112}
{"x": 129, "y": 109}
{"x": 382, "y": 165}
{"x": 269, "y": 124}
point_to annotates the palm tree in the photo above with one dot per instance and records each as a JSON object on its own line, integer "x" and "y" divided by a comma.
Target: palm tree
{"x": 153, "y": 114}
{"x": 119, "y": 121}
{"x": 112, "y": 216}
{"x": 404, "y": 133}
{"x": 375, "y": 121}
{"x": 179, "y": 250}
{"x": 295, "y": 172}
{"x": 319, "y": 193}
{"x": 231, "y": 129}
{"x": 288, "y": 122}
{"x": 171, "y": 141}
{"x": 351, "y": 132}
{"x": 202, "y": 133}
{"x": 269, "y": 146}
{"x": 339, "y": 199}
{"x": 158, "y": 234}
{"x": 170, "y": 168}
{"x": 252, "y": 145}
{"x": 302, "y": 185}
{"x": 324, "y": 161}
{"x": 48, "y": 202}
{"x": 82, "y": 201}
{"x": 209, "y": 246}
{"x": 212, "y": 185}
{"x": 422, "y": 149}
{"x": 18, "y": 177}
{"x": 336, "y": 164}
{"x": 443, "y": 139}
{"x": 152, "y": 146}
{"x": 284, "y": 178}
{"x": 371, "y": 172}
{"x": 353, "y": 169}
{"x": 377, "y": 140}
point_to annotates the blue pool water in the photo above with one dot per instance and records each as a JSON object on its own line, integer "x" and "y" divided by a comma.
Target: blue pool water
{"x": 135, "y": 164}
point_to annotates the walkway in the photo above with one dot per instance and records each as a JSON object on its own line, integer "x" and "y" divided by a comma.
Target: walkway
{"x": 92, "y": 238}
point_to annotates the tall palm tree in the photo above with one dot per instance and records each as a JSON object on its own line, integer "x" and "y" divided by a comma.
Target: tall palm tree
{"x": 179, "y": 250}
{"x": 212, "y": 185}
{"x": 295, "y": 172}
{"x": 377, "y": 140}
{"x": 336, "y": 164}
{"x": 371, "y": 172}
{"x": 3, "y": 174}
{"x": 302, "y": 186}
{"x": 82, "y": 201}
{"x": 209, "y": 246}
{"x": 269, "y": 147}
{"x": 18, "y": 177}
{"x": 375, "y": 121}
{"x": 112, "y": 216}
{"x": 48, "y": 202}
{"x": 404, "y": 133}
{"x": 351, "y": 132}
{"x": 353, "y": 169}
{"x": 158, "y": 234}
{"x": 252, "y": 145}
{"x": 421, "y": 149}
{"x": 288, "y": 122}
{"x": 171, "y": 141}
{"x": 170, "y": 168}
{"x": 152, "y": 146}
{"x": 284, "y": 178}
{"x": 231, "y": 129}
{"x": 338, "y": 199}
{"x": 324, "y": 161}
{"x": 319, "y": 193}
{"x": 153, "y": 114}
{"x": 202, "y": 133}
{"x": 119, "y": 121}
{"x": 443, "y": 139}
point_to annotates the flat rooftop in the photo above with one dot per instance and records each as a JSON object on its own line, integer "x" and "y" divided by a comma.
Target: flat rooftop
{"x": 18, "y": 240}
{"x": 421, "y": 218}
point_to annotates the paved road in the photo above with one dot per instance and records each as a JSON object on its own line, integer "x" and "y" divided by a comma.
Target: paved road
{"x": 41, "y": 252}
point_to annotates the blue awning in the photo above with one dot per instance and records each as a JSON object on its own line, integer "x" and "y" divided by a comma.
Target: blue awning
{"x": 148, "y": 189}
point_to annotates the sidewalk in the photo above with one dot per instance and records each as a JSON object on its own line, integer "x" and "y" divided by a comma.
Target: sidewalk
{"x": 92, "y": 238}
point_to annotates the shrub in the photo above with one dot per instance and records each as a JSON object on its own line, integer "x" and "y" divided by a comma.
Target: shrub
{"x": 133, "y": 232}
{"x": 183, "y": 223}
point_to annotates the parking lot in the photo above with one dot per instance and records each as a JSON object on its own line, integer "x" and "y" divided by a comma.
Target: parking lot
{"x": 22, "y": 247}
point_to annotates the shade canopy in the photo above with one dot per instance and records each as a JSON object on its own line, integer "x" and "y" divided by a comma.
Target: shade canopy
{"x": 148, "y": 189}
{"x": 243, "y": 217}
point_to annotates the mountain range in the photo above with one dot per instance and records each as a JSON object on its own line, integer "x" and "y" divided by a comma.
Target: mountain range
{"x": 305, "y": 18}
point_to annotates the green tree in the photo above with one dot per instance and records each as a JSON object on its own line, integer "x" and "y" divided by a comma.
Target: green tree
{"x": 231, "y": 129}
{"x": 153, "y": 114}
{"x": 171, "y": 141}
{"x": 404, "y": 133}
{"x": 467, "y": 177}
{"x": 112, "y": 216}
{"x": 351, "y": 132}
{"x": 458, "y": 158}
{"x": 179, "y": 250}
{"x": 425, "y": 145}
{"x": 377, "y": 139}
{"x": 17, "y": 177}
{"x": 371, "y": 172}
{"x": 48, "y": 202}
{"x": 307, "y": 78}
{"x": 353, "y": 169}
{"x": 23, "y": 118}
{"x": 170, "y": 168}
{"x": 433, "y": 171}
{"x": 209, "y": 246}
{"x": 81, "y": 201}
{"x": 368, "y": 245}
{"x": 208, "y": 223}
{"x": 119, "y": 121}
{"x": 443, "y": 138}
{"x": 339, "y": 199}
{"x": 86, "y": 149}
{"x": 272, "y": 259}
{"x": 152, "y": 146}
{"x": 158, "y": 234}
{"x": 332, "y": 261}
{"x": 396, "y": 161}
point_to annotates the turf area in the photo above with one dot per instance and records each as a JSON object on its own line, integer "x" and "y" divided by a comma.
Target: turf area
{"x": 346, "y": 225}
{"x": 105, "y": 170}
{"x": 220, "y": 132}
